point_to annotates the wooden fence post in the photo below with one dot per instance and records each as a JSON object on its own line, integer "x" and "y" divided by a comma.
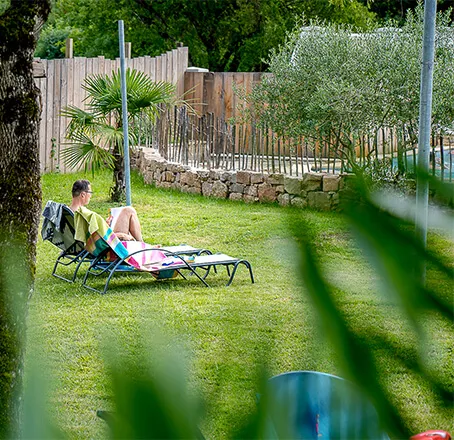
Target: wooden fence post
{"x": 127, "y": 50}
{"x": 69, "y": 48}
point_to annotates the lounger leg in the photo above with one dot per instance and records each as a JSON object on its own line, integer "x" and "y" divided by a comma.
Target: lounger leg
{"x": 84, "y": 281}
{"x": 111, "y": 268}
{"x": 108, "y": 280}
{"x": 179, "y": 272}
{"x": 191, "y": 269}
{"x": 247, "y": 264}
{"x": 207, "y": 252}
{"x": 84, "y": 255}
{"x": 197, "y": 275}
{"x": 206, "y": 269}
{"x": 57, "y": 261}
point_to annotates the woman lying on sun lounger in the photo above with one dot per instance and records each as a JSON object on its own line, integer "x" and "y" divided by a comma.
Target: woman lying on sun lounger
{"x": 126, "y": 225}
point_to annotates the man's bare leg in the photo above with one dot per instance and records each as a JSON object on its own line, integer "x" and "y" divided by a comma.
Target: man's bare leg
{"x": 128, "y": 224}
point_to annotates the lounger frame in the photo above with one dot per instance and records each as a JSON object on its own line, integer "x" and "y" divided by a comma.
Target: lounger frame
{"x": 68, "y": 257}
{"x": 204, "y": 260}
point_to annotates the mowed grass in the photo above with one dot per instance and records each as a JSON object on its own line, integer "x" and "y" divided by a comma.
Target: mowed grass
{"x": 226, "y": 333}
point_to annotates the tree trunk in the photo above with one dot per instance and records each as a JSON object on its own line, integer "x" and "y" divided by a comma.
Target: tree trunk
{"x": 20, "y": 194}
{"x": 117, "y": 192}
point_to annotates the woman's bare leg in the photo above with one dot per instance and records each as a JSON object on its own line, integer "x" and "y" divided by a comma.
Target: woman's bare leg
{"x": 128, "y": 224}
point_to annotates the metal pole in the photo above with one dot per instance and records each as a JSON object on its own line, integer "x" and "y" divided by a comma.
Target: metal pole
{"x": 425, "y": 114}
{"x": 124, "y": 108}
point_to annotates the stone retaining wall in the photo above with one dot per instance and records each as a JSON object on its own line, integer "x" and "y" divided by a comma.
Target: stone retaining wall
{"x": 319, "y": 191}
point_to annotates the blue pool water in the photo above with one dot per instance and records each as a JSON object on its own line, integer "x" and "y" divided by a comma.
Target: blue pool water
{"x": 446, "y": 165}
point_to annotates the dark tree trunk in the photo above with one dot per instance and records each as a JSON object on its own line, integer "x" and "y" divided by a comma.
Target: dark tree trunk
{"x": 117, "y": 192}
{"x": 20, "y": 194}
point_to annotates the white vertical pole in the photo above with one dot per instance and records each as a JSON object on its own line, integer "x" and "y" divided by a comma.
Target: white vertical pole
{"x": 425, "y": 114}
{"x": 124, "y": 108}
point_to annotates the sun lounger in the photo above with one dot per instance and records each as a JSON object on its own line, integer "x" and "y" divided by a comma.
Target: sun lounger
{"x": 110, "y": 255}
{"x": 59, "y": 229}
{"x": 167, "y": 267}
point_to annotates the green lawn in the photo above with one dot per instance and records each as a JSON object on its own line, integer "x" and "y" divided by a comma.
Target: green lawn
{"x": 226, "y": 331}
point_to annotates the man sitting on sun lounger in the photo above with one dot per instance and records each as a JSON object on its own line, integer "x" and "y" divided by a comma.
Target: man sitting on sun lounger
{"x": 126, "y": 224}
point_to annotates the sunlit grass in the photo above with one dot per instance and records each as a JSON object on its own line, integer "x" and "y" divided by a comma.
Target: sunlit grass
{"x": 226, "y": 331}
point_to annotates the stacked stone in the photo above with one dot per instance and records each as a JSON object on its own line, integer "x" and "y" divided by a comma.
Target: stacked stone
{"x": 318, "y": 191}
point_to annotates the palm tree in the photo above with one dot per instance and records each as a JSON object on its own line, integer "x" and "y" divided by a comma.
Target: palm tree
{"x": 96, "y": 134}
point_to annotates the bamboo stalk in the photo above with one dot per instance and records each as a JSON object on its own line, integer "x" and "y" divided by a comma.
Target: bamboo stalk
{"x": 232, "y": 166}
{"x": 240, "y": 140}
{"x": 442, "y": 160}
{"x": 262, "y": 149}
{"x": 209, "y": 140}
{"x": 451, "y": 151}
{"x": 267, "y": 144}
{"x": 175, "y": 134}
{"x": 307, "y": 154}
{"x": 328, "y": 151}
{"x": 245, "y": 158}
{"x": 279, "y": 153}
{"x": 433, "y": 154}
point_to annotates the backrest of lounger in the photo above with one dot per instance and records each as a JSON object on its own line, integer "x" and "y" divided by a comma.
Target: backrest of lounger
{"x": 58, "y": 227}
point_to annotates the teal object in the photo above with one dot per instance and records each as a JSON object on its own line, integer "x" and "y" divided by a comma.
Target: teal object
{"x": 318, "y": 406}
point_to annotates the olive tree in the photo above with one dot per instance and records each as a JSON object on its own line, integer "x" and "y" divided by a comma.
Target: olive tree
{"x": 331, "y": 82}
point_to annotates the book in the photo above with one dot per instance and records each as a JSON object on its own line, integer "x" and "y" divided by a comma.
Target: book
{"x": 113, "y": 216}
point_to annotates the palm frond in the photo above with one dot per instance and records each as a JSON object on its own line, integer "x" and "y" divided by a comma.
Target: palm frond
{"x": 84, "y": 152}
{"x": 81, "y": 120}
{"x": 112, "y": 135}
{"x": 151, "y": 97}
{"x": 78, "y": 116}
{"x": 104, "y": 92}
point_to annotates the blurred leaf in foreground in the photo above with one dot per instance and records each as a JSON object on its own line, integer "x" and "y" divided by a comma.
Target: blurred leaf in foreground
{"x": 151, "y": 398}
{"x": 397, "y": 256}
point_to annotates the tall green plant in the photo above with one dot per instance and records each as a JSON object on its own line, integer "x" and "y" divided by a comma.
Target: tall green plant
{"x": 96, "y": 134}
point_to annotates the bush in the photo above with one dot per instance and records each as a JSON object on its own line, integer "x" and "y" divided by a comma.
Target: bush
{"x": 52, "y": 43}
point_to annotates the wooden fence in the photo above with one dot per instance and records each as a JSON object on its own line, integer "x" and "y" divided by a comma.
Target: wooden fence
{"x": 60, "y": 82}
{"x": 214, "y": 92}
{"x": 207, "y": 141}
{"x": 61, "y": 85}
{"x": 207, "y": 138}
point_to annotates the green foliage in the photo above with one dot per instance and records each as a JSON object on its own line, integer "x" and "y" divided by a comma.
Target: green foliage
{"x": 4, "y": 5}
{"x": 334, "y": 83}
{"x": 397, "y": 9}
{"x": 51, "y": 43}
{"x": 92, "y": 25}
{"x": 380, "y": 174}
{"x": 397, "y": 257}
{"x": 222, "y": 35}
{"x": 152, "y": 399}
